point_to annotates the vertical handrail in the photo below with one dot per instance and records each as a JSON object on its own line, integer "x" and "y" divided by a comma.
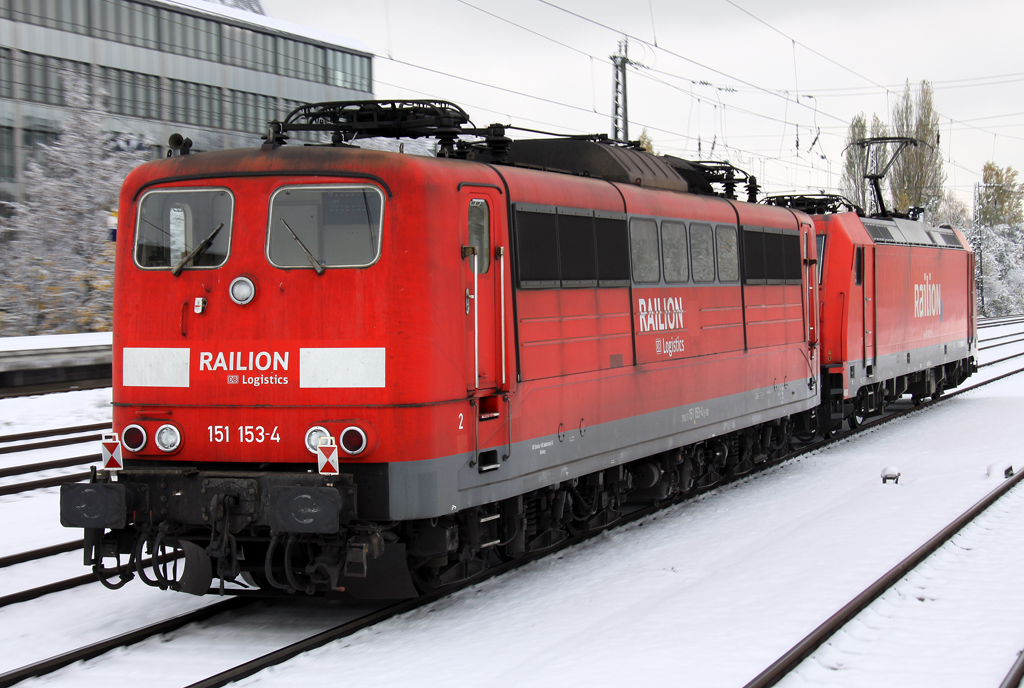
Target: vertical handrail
{"x": 501, "y": 287}
{"x": 476, "y": 318}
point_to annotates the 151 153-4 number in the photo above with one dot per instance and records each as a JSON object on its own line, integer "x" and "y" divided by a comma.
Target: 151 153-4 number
{"x": 246, "y": 433}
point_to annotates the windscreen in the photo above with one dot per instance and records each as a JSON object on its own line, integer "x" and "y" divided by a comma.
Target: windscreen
{"x": 175, "y": 225}
{"x": 336, "y": 226}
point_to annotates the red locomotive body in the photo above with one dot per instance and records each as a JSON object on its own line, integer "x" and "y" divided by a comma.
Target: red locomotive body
{"x": 897, "y": 300}
{"x": 501, "y": 355}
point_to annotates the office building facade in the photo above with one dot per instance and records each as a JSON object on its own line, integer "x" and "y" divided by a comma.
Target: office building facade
{"x": 212, "y": 72}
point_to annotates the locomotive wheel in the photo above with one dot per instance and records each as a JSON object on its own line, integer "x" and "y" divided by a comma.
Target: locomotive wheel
{"x": 856, "y": 420}
{"x": 939, "y": 389}
{"x": 917, "y": 400}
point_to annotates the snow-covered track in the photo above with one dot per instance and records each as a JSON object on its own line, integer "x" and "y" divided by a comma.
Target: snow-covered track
{"x": 799, "y": 652}
{"x": 993, "y": 346}
{"x": 811, "y": 642}
{"x": 28, "y": 442}
{"x": 51, "y": 664}
{"x": 53, "y": 432}
{"x": 67, "y": 583}
{"x": 41, "y": 553}
{"x": 998, "y": 322}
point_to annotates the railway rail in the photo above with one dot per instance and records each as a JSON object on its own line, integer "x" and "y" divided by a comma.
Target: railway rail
{"x": 812, "y": 641}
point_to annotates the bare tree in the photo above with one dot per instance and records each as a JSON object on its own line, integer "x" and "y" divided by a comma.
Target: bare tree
{"x": 59, "y": 263}
{"x": 917, "y": 177}
{"x": 853, "y": 184}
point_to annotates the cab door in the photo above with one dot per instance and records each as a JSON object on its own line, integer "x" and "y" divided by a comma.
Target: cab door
{"x": 477, "y": 210}
{"x": 870, "y": 310}
{"x": 484, "y": 258}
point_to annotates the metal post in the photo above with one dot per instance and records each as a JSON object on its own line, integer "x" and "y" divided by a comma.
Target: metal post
{"x": 620, "y": 117}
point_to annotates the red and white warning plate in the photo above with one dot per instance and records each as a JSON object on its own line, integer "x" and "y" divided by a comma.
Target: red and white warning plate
{"x": 327, "y": 456}
{"x": 110, "y": 451}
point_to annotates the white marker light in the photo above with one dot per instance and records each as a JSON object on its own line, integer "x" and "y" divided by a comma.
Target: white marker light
{"x": 242, "y": 290}
{"x": 168, "y": 438}
{"x": 313, "y": 436}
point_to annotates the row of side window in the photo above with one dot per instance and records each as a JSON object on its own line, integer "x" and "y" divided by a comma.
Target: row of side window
{"x": 571, "y": 248}
{"x": 682, "y": 258}
{"x": 567, "y": 247}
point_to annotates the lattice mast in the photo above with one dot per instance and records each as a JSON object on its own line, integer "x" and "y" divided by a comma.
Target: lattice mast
{"x": 620, "y": 110}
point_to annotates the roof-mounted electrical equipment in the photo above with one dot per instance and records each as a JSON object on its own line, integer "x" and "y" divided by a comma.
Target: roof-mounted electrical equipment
{"x": 360, "y": 119}
{"x": 815, "y": 204}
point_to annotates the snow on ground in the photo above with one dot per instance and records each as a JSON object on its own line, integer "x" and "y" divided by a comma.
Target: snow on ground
{"x": 954, "y": 621}
{"x": 59, "y": 410}
{"x": 710, "y": 592}
{"x": 56, "y": 341}
{"x": 30, "y": 520}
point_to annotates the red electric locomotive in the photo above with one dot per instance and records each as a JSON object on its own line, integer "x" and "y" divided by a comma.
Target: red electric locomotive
{"x": 369, "y": 373}
{"x": 897, "y": 307}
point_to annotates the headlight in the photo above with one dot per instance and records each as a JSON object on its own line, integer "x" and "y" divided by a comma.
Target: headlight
{"x": 134, "y": 438}
{"x": 242, "y": 290}
{"x": 168, "y": 438}
{"x": 313, "y": 436}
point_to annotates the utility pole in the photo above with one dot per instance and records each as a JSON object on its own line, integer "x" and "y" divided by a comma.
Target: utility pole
{"x": 978, "y": 246}
{"x": 620, "y": 111}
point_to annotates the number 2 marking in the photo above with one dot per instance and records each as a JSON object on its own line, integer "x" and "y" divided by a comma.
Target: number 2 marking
{"x": 460, "y": 421}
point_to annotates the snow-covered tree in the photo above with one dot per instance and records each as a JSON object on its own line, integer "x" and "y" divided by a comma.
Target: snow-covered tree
{"x": 998, "y": 241}
{"x": 57, "y": 275}
{"x": 951, "y": 211}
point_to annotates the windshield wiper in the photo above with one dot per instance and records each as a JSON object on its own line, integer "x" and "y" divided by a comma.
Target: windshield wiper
{"x": 176, "y": 270}
{"x": 309, "y": 256}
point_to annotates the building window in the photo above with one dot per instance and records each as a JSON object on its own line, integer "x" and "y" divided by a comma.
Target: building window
{"x": 131, "y": 93}
{"x": 43, "y": 77}
{"x": 346, "y": 70}
{"x": 250, "y": 112}
{"x": 176, "y": 32}
{"x": 6, "y": 153}
{"x": 300, "y": 60}
{"x": 184, "y": 34}
{"x": 65, "y": 15}
{"x": 249, "y": 49}
{"x": 126, "y": 22}
{"x": 6, "y": 76}
{"x": 197, "y": 104}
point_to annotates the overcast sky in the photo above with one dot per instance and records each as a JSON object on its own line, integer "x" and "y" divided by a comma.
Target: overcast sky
{"x": 722, "y": 75}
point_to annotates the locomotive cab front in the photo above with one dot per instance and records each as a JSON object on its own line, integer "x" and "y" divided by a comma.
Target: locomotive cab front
{"x": 262, "y": 318}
